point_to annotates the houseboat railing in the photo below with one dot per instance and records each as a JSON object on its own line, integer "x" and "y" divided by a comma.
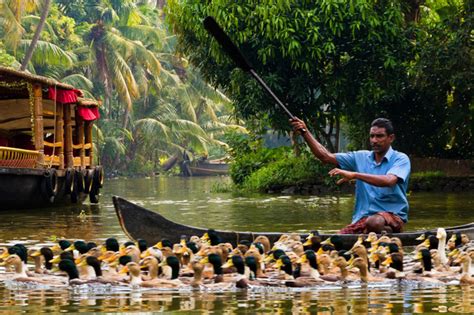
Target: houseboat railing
{"x": 18, "y": 158}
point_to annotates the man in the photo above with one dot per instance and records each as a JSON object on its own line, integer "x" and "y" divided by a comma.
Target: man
{"x": 381, "y": 178}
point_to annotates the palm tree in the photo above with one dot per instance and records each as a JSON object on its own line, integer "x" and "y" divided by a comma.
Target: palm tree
{"x": 34, "y": 41}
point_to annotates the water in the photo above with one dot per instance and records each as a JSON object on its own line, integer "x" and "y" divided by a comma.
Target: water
{"x": 190, "y": 201}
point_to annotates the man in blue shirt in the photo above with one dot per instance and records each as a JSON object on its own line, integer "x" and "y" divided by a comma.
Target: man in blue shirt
{"x": 381, "y": 178}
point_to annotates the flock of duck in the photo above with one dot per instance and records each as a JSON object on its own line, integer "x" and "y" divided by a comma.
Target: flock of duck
{"x": 206, "y": 263}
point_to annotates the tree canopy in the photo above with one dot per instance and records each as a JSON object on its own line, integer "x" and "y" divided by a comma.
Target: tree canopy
{"x": 335, "y": 60}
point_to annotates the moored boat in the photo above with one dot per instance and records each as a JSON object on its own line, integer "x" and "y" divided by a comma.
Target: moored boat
{"x": 46, "y": 147}
{"x": 140, "y": 223}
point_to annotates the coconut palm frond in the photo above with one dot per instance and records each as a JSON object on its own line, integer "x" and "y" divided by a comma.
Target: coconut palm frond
{"x": 122, "y": 67}
{"x": 121, "y": 87}
{"x": 206, "y": 107}
{"x": 79, "y": 81}
{"x": 112, "y": 146}
{"x": 183, "y": 125}
{"x": 47, "y": 53}
{"x": 198, "y": 143}
{"x": 146, "y": 57}
{"x": 171, "y": 76}
{"x": 13, "y": 31}
{"x": 143, "y": 33}
{"x": 34, "y": 20}
{"x": 121, "y": 45}
{"x": 153, "y": 127}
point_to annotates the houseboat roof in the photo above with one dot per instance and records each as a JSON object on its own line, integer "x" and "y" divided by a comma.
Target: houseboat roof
{"x": 7, "y": 74}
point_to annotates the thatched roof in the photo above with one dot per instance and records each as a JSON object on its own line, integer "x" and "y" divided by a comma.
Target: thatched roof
{"x": 87, "y": 102}
{"x": 9, "y": 73}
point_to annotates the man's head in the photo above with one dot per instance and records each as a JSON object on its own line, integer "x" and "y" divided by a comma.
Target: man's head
{"x": 381, "y": 135}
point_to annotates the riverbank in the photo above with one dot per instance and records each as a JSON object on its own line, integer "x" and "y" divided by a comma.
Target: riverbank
{"x": 430, "y": 182}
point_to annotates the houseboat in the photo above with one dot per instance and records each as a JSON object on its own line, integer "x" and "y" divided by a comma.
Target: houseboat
{"x": 46, "y": 147}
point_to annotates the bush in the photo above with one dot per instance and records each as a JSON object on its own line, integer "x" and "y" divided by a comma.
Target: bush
{"x": 288, "y": 170}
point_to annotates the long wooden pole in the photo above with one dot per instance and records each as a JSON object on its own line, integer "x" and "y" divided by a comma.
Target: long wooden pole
{"x": 68, "y": 136}
{"x": 38, "y": 119}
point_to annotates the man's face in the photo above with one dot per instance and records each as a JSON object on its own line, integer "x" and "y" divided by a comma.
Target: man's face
{"x": 379, "y": 140}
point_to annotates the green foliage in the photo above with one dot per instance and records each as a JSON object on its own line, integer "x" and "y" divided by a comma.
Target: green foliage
{"x": 427, "y": 175}
{"x": 6, "y": 59}
{"x": 288, "y": 170}
{"x": 256, "y": 168}
{"x": 357, "y": 60}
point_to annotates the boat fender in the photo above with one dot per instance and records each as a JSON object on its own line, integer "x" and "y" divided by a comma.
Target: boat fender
{"x": 94, "y": 194}
{"x": 50, "y": 184}
{"x": 98, "y": 177}
{"x": 69, "y": 181}
{"x": 88, "y": 179}
{"x": 79, "y": 176}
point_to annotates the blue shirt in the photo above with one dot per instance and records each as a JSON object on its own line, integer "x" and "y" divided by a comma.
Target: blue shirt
{"x": 372, "y": 199}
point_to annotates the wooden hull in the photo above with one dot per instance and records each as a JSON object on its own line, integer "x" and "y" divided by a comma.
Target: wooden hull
{"x": 204, "y": 169}
{"x": 22, "y": 188}
{"x": 140, "y": 223}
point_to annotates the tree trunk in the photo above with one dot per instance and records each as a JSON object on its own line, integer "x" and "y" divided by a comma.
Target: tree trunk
{"x": 34, "y": 41}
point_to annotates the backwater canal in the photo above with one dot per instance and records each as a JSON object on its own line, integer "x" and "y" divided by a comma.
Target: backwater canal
{"x": 192, "y": 201}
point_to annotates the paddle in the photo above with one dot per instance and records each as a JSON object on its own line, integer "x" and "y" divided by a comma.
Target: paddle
{"x": 231, "y": 49}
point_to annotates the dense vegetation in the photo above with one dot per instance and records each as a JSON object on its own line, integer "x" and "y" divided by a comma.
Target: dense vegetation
{"x": 410, "y": 61}
{"x": 337, "y": 64}
{"x": 153, "y": 104}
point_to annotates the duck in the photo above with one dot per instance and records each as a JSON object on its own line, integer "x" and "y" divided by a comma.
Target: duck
{"x": 216, "y": 262}
{"x": 61, "y": 246}
{"x": 265, "y": 241}
{"x": 98, "y": 275}
{"x": 211, "y": 237}
{"x": 395, "y": 263}
{"x": 142, "y": 245}
{"x": 335, "y": 241}
{"x": 20, "y": 274}
{"x": 133, "y": 269}
{"x": 441, "y": 236}
{"x": 170, "y": 268}
{"x": 198, "y": 281}
{"x": 40, "y": 257}
{"x": 134, "y": 252}
{"x": 284, "y": 264}
{"x": 313, "y": 241}
{"x": 364, "y": 274}
{"x": 253, "y": 251}
{"x": 466, "y": 275}
{"x": 111, "y": 244}
{"x": 243, "y": 271}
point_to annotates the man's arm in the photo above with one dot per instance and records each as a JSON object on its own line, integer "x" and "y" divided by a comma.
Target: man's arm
{"x": 376, "y": 180}
{"x": 317, "y": 148}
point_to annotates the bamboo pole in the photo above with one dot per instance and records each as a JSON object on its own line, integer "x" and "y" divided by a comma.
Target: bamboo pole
{"x": 89, "y": 125}
{"x": 80, "y": 137}
{"x": 60, "y": 133}
{"x": 38, "y": 120}
{"x": 68, "y": 136}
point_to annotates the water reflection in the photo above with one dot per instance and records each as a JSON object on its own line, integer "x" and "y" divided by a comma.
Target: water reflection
{"x": 191, "y": 201}
{"x": 362, "y": 300}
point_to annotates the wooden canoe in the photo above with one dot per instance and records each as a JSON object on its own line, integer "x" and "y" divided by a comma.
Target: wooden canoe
{"x": 140, "y": 223}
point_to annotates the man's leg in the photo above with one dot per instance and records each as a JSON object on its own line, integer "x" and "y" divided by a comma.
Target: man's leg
{"x": 376, "y": 223}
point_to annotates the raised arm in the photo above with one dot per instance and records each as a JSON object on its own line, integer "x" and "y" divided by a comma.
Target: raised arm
{"x": 317, "y": 148}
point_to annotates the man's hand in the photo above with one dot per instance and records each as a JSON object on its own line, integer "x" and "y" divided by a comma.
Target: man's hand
{"x": 297, "y": 125}
{"x": 346, "y": 175}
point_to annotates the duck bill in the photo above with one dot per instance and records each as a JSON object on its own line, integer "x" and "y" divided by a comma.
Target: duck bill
{"x": 55, "y": 260}
{"x": 228, "y": 264}
{"x": 387, "y": 261}
{"x": 327, "y": 241}
{"x": 278, "y": 263}
{"x": 420, "y": 238}
{"x": 123, "y": 270}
